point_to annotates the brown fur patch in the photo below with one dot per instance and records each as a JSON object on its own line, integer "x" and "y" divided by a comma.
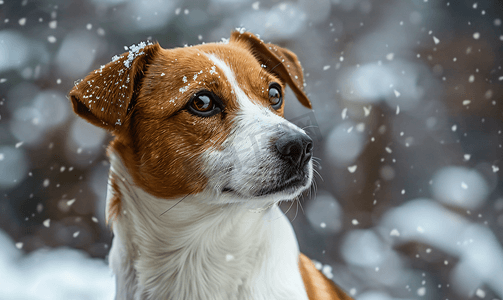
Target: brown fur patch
{"x": 318, "y": 287}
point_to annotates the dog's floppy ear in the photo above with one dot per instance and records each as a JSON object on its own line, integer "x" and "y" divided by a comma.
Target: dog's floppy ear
{"x": 279, "y": 61}
{"x": 106, "y": 95}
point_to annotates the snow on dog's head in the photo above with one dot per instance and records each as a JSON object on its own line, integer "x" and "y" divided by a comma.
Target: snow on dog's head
{"x": 205, "y": 119}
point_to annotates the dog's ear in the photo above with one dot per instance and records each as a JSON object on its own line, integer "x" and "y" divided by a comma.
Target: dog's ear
{"x": 279, "y": 61}
{"x": 107, "y": 94}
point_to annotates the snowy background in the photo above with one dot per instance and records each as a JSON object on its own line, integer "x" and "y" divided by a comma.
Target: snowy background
{"x": 408, "y": 111}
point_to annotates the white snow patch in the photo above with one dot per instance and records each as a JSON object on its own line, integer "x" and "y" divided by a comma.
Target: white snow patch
{"x": 480, "y": 255}
{"x": 183, "y": 89}
{"x": 134, "y": 52}
{"x": 52, "y": 274}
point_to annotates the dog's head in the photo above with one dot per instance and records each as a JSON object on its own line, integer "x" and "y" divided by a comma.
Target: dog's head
{"x": 204, "y": 119}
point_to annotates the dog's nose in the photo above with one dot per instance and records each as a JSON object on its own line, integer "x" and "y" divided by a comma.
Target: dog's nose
{"x": 296, "y": 147}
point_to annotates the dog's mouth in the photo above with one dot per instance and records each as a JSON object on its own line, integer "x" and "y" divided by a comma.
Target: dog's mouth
{"x": 288, "y": 186}
{"x": 231, "y": 191}
{"x": 228, "y": 190}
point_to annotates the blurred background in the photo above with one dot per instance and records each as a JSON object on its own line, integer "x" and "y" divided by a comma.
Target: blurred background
{"x": 407, "y": 123}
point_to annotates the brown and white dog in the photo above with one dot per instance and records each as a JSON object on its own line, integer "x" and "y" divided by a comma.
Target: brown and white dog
{"x": 201, "y": 157}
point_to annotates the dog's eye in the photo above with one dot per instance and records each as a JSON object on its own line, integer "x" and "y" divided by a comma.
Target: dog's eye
{"x": 204, "y": 104}
{"x": 275, "y": 95}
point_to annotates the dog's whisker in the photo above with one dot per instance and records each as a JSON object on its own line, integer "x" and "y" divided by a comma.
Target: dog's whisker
{"x": 318, "y": 173}
{"x": 297, "y": 210}
{"x": 178, "y": 202}
{"x": 275, "y": 66}
{"x": 310, "y": 126}
{"x": 289, "y": 208}
{"x": 315, "y": 188}
{"x": 301, "y": 207}
{"x": 316, "y": 164}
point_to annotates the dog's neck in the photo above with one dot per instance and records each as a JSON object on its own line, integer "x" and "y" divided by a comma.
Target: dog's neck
{"x": 198, "y": 250}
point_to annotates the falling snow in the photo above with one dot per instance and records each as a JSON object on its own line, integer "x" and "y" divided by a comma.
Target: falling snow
{"x": 352, "y": 169}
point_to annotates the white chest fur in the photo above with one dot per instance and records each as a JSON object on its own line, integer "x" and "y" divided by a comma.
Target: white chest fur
{"x": 199, "y": 250}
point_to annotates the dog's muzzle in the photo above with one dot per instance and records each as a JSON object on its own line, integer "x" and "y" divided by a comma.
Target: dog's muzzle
{"x": 294, "y": 149}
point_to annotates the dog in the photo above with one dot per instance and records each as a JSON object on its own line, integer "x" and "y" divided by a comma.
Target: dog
{"x": 200, "y": 159}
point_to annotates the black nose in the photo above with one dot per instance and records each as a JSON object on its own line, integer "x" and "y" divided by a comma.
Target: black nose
{"x": 296, "y": 147}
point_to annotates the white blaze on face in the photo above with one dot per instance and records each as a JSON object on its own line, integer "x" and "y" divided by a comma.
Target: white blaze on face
{"x": 249, "y": 160}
